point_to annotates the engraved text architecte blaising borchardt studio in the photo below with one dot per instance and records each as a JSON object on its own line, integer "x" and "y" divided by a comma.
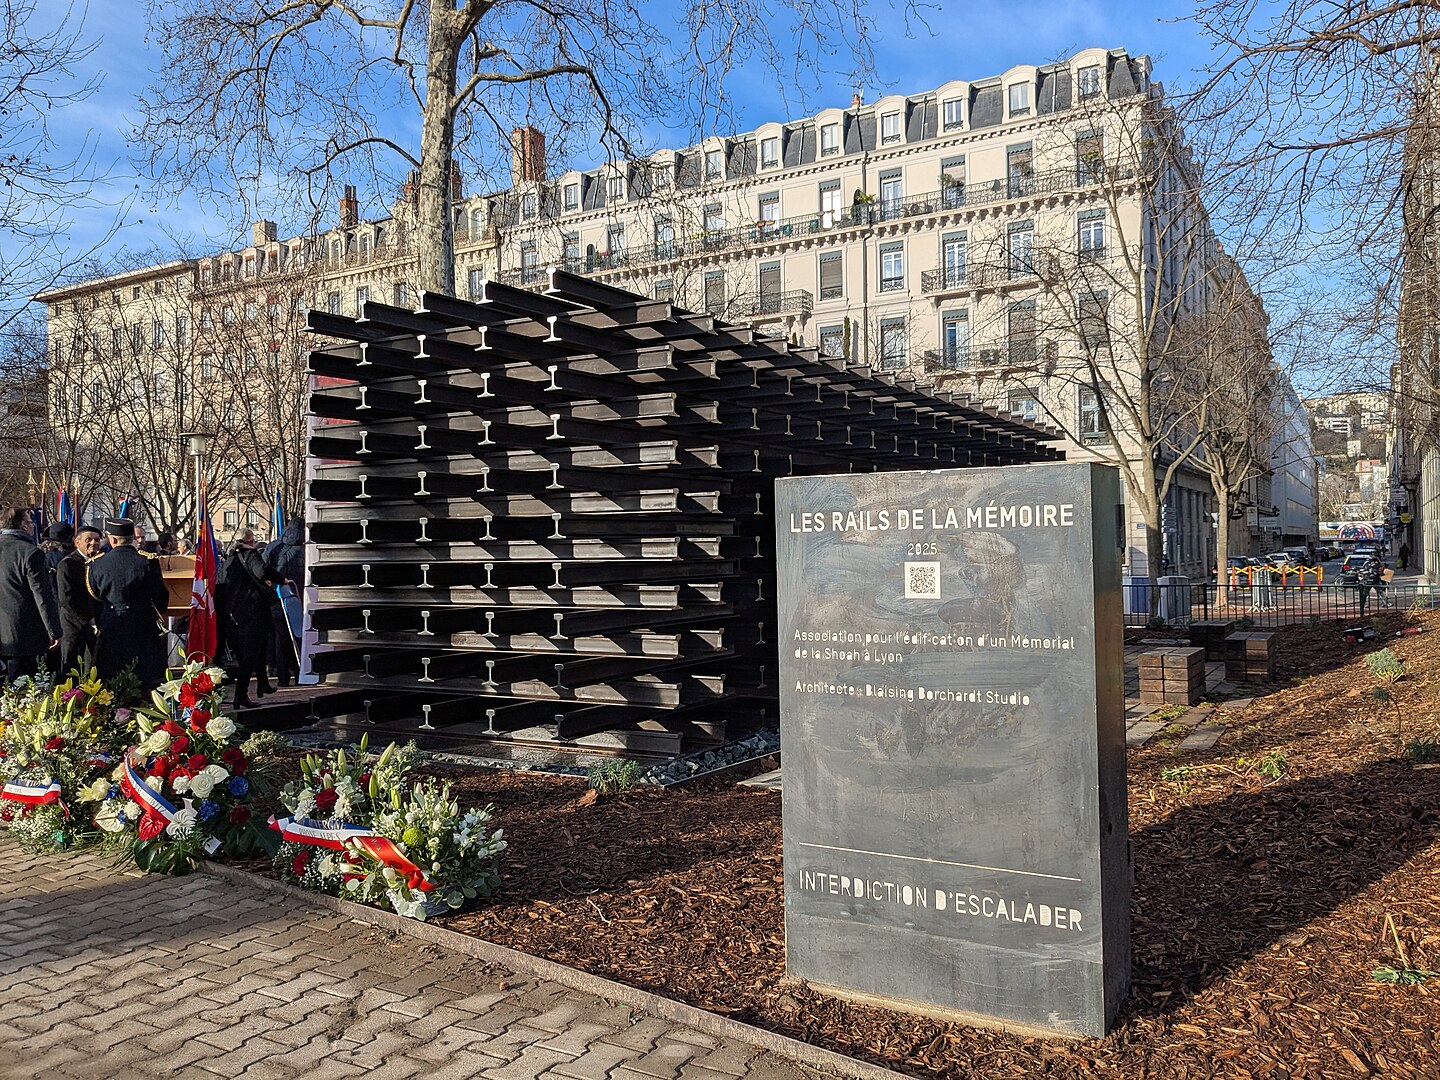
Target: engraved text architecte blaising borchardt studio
{"x": 952, "y": 728}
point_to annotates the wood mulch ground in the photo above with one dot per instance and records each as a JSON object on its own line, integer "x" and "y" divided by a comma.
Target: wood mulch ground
{"x": 1259, "y": 904}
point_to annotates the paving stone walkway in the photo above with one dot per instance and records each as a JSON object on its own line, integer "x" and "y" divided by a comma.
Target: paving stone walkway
{"x": 112, "y": 975}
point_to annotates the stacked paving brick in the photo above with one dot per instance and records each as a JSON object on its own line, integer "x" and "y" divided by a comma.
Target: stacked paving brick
{"x": 552, "y": 511}
{"x": 1210, "y": 635}
{"x": 1173, "y": 676}
{"x": 1249, "y": 657}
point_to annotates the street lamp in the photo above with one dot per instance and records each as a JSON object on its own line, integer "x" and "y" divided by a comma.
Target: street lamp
{"x": 197, "y": 443}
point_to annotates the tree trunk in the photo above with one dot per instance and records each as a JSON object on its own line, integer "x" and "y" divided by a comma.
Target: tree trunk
{"x": 434, "y": 229}
{"x": 1222, "y": 547}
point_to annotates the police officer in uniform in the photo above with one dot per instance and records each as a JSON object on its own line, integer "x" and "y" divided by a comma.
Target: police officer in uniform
{"x": 128, "y": 584}
{"x": 78, "y": 608}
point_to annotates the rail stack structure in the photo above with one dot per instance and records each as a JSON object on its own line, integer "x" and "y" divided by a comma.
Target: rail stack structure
{"x": 541, "y": 515}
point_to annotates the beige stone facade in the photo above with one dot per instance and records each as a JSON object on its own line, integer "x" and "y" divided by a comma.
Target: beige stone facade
{"x": 982, "y": 235}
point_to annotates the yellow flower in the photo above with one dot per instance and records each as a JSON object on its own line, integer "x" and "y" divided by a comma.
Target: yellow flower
{"x": 104, "y": 697}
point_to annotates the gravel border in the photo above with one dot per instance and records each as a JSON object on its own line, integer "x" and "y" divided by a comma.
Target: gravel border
{"x": 723, "y": 1027}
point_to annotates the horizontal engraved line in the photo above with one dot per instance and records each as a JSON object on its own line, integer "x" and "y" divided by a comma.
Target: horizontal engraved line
{"x": 941, "y": 862}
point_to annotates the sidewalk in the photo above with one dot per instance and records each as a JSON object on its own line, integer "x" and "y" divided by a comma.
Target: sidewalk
{"x": 112, "y": 975}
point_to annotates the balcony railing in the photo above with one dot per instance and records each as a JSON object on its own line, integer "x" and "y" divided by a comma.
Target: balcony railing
{"x": 774, "y": 305}
{"x": 949, "y": 199}
{"x": 948, "y": 358}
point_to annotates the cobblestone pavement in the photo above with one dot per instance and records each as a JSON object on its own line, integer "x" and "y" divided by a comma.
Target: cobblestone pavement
{"x": 111, "y": 975}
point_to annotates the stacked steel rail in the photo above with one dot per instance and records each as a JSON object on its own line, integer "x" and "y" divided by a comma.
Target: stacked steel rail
{"x": 551, "y": 513}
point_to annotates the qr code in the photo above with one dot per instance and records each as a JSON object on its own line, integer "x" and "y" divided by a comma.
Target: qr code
{"x": 922, "y": 581}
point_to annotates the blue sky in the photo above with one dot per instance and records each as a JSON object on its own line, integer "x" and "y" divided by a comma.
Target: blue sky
{"x": 971, "y": 40}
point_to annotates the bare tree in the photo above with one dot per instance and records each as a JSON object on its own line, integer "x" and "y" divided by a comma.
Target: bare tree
{"x": 41, "y": 48}
{"x": 1100, "y": 299}
{"x": 1324, "y": 99}
{"x": 257, "y": 96}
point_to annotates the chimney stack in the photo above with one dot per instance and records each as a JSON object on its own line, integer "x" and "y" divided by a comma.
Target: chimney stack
{"x": 857, "y": 100}
{"x": 527, "y": 155}
{"x": 262, "y": 233}
{"x": 349, "y": 208}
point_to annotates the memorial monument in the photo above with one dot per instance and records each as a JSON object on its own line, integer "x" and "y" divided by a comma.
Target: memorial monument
{"x": 952, "y": 730}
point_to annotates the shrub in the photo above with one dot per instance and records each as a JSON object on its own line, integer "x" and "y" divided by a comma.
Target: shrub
{"x": 1385, "y": 666}
{"x": 1422, "y": 750}
{"x": 611, "y": 777}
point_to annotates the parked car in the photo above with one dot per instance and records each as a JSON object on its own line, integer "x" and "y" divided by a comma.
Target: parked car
{"x": 1298, "y": 556}
{"x": 1237, "y": 562}
{"x": 1350, "y": 568}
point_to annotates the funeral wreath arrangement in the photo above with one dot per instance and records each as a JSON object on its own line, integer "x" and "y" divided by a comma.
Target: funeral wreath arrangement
{"x": 359, "y": 828}
{"x": 53, "y": 741}
{"x": 184, "y": 790}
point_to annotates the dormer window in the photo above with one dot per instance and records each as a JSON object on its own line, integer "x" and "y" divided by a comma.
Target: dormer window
{"x": 529, "y": 205}
{"x": 714, "y": 165}
{"x": 617, "y": 188}
{"x": 890, "y": 127}
{"x": 1019, "y": 99}
{"x": 769, "y": 153}
{"x": 1089, "y": 82}
{"x": 953, "y": 114}
{"x": 829, "y": 139}
{"x": 572, "y": 197}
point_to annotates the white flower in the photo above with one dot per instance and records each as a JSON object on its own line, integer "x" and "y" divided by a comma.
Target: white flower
{"x": 181, "y": 784}
{"x": 132, "y": 810}
{"x": 96, "y": 791}
{"x": 108, "y": 817}
{"x": 155, "y": 783}
{"x": 183, "y": 823}
{"x": 220, "y": 728}
{"x": 218, "y": 773}
{"x": 201, "y": 784}
{"x": 157, "y": 742}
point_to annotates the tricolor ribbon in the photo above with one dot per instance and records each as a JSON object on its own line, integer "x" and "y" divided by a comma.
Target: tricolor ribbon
{"x": 154, "y": 804}
{"x": 31, "y": 794}
{"x": 99, "y": 759}
{"x": 337, "y": 837}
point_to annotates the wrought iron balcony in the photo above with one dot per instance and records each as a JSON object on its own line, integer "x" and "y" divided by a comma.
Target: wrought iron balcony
{"x": 948, "y": 358}
{"x": 951, "y": 198}
{"x": 774, "y": 305}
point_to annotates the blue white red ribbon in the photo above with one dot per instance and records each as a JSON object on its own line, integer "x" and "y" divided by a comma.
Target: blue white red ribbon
{"x": 337, "y": 837}
{"x": 31, "y": 794}
{"x": 154, "y": 804}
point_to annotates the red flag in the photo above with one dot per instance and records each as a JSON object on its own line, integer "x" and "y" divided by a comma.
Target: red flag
{"x": 204, "y": 635}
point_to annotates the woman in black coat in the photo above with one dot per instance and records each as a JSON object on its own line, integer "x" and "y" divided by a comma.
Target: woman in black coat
{"x": 242, "y": 602}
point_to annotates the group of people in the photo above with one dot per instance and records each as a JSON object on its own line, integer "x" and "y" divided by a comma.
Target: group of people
{"x": 95, "y": 597}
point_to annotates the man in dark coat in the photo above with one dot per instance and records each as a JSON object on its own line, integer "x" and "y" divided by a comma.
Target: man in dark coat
{"x": 128, "y": 584}
{"x": 78, "y": 609}
{"x": 242, "y": 602}
{"x": 57, "y": 542}
{"x": 29, "y": 614}
{"x": 285, "y": 559}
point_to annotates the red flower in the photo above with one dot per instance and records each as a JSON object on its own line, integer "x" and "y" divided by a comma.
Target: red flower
{"x": 56, "y": 743}
{"x": 179, "y": 771}
{"x": 151, "y": 826}
{"x": 171, "y": 728}
{"x": 202, "y": 683}
{"x": 299, "y": 863}
{"x": 197, "y": 762}
{"x": 180, "y": 744}
{"x": 325, "y": 799}
{"x": 234, "y": 759}
{"x": 187, "y": 696}
{"x": 365, "y": 781}
{"x": 199, "y": 719}
{"x": 239, "y": 815}
{"x": 161, "y": 767}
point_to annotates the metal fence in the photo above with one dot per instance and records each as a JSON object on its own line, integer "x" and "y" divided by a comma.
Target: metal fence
{"x": 1270, "y": 605}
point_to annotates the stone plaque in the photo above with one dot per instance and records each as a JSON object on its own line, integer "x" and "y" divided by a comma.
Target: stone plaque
{"x": 952, "y": 732}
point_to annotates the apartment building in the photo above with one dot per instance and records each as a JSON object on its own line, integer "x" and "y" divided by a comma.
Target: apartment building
{"x": 1025, "y": 238}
